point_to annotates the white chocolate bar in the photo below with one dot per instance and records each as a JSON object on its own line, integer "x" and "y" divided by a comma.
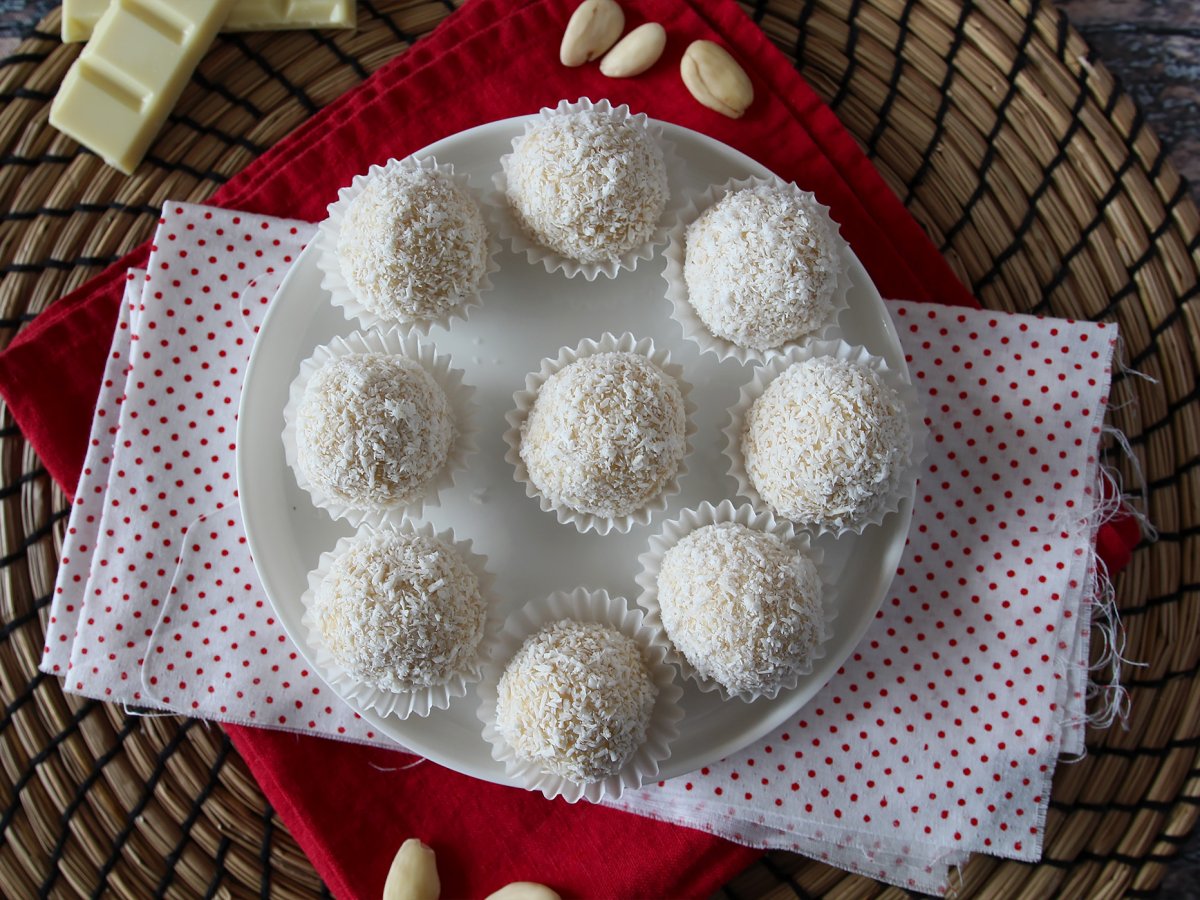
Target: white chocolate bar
{"x": 116, "y": 96}
{"x": 79, "y": 17}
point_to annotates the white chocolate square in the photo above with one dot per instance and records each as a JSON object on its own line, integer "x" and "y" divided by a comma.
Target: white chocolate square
{"x": 116, "y": 96}
{"x": 79, "y": 17}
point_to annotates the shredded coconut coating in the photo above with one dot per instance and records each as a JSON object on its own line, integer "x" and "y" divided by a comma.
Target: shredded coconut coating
{"x": 605, "y": 435}
{"x": 412, "y": 244}
{"x": 576, "y": 700}
{"x": 586, "y": 187}
{"x": 401, "y": 612}
{"x": 761, "y": 267}
{"x": 742, "y": 606}
{"x": 827, "y": 442}
{"x": 372, "y": 430}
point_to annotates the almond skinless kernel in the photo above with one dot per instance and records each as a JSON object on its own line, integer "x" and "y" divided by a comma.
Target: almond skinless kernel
{"x": 593, "y": 28}
{"x": 636, "y": 52}
{"x": 715, "y": 79}
{"x": 524, "y": 890}
{"x": 413, "y": 875}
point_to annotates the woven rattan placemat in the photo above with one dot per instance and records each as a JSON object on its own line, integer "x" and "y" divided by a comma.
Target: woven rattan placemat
{"x": 1008, "y": 141}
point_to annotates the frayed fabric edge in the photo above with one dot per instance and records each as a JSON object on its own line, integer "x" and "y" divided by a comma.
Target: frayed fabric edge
{"x": 1107, "y": 702}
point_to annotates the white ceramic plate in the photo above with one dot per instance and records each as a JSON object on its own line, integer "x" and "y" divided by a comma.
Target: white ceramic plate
{"x": 530, "y": 315}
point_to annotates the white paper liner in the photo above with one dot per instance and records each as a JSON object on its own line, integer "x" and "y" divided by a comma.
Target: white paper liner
{"x": 705, "y": 514}
{"x": 458, "y": 396}
{"x": 341, "y": 294}
{"x": 685, "y": 314}
{"x": 524, "y": 401}
{"x": 520, "y": 241}
{"x": 401, "y": 704}
{"x": 585, "y": 605}
{"x": 767, "y": 373}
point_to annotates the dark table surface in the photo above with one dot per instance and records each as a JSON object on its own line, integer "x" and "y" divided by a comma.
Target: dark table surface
{"x": 1152, "y": 46}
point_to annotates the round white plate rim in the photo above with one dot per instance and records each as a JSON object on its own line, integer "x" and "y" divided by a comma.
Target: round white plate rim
{"x": 251, "y": 451}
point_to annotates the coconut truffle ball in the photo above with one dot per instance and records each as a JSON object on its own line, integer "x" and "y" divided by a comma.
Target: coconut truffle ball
{"x": 401, "y": 612}
{"x": 372, "y": 430}
{"x": 605, "y": 435}
{"x": 412, "y": 244}
{"x": 827, "y": 442}
{"x": 761, "y": 267}
{"x": 742, "y": 607}
{"x": 576, "y": 700}
{"x": 586, "y": 187}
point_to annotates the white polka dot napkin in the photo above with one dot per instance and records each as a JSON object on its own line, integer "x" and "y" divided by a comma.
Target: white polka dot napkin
{"x": 937, "y": 738}
{"x": 940, "y": 734}
{"x": 157, "y": 603}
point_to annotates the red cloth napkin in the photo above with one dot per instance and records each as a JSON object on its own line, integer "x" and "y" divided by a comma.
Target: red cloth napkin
{"x": 488, "y": 61}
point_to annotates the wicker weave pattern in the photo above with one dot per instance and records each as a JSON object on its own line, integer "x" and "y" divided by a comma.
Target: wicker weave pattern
{"x": 1013, "y": 148}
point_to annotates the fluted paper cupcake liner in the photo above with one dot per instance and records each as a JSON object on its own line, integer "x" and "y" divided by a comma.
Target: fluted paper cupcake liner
{"x": 685, "y": 314}
{"x": 458, "y": 397}
{"x": 583, "y": 605}
{"x": 705, "y": 514}
{"x": 524, "y": 400}
{"x": 512, "y": 233}
{"x": 402, "y": 704}
{"x": 342, "y": 295}
{"x": 765, "y": 374}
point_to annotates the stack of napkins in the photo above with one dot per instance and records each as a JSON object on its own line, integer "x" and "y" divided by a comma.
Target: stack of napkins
{"x": 937, "y": 738}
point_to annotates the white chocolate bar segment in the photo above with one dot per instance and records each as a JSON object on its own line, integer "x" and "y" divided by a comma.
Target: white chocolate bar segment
{"x": 79, "y": 17}
{"x": 116, "y": 96}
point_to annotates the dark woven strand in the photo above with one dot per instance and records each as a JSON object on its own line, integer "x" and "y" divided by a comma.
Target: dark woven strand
{"x": 1102, "y": 206}
{"x": 9, "y": 159}
{"x": 18, "y": 59}
{"x": 193, "y": 815}
{"x": 958, "y": 38}
{"x": 219, "y": 868}
{"x": 852, "y": 60}
{"x": 1151, "y": 253}
{"x": 227, "y": 95}
{"x": 40, "y": 757}
{"x": 989, "y": 154}
{"x": 25, "y": 618}
{"x": 1026, "y": 224}
{"x": 893, "y": 88}
{"x": 340, "y": 56}
{"x": 34, "y": 537}
{"x": 1159, "y": 806}
{"x": 81, "y": 796}
{"x": 131, "y": 818}
{"x": 233, "y": 140}
{"x": 296, "y": 92}
{"x": 1168, "y": 321}
{"x": 27, "y": 694}
{"x": 388, "y": 22}
{"x": 806, "y": 12}
{"x": 264, "y": 856}
{"x": 785, "y": 878}
{"x": 27, "y": 215}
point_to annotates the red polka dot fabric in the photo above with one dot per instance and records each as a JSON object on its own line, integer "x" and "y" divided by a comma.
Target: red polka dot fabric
{"x": 83, "y": 530}
{"x": 940, "y": 734}
{"x": 937, "y": 738}
{"x": 157, "y": 603}
{"x": 218, "y": 652}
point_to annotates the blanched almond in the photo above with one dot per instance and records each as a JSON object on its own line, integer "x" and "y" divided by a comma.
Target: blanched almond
{"x": 636, "y": 52}
{"x": 593, "y": 28}
{"x": 413, "y": 875}
{"x": 715, "y": 79}
{"x": 524, "y": 890}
